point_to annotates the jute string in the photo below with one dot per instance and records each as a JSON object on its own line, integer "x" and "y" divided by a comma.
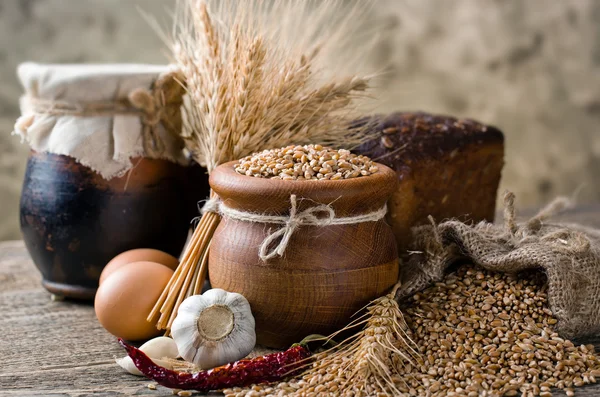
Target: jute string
{"x": 319, "y": 215}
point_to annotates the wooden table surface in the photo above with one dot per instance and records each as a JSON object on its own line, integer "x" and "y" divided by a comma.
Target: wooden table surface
{"x": 52, "y": 348}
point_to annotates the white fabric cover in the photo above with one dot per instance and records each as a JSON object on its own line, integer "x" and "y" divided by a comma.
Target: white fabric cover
{"x": 106, "y": 144}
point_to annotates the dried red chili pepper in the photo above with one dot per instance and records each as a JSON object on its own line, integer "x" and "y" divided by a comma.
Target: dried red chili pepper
{"x": 269, "y": 368}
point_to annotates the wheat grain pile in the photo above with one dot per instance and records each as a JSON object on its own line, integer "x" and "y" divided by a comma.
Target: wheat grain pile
{"x": 490, "y": 334}
{"x": 477, "y": 334}
{"x": 306, "y": 162}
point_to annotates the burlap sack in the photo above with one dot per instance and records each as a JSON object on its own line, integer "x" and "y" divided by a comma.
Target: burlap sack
{"x": 102, "y": 115}
{"x": 569, "y": 254}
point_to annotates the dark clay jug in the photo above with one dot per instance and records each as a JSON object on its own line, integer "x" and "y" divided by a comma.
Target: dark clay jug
{"x": 108, "y": 171}
{"x": 74, "y": 221}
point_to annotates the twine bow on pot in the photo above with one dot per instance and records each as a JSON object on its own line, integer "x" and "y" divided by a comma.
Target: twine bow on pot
{"x": 296, "y": 219}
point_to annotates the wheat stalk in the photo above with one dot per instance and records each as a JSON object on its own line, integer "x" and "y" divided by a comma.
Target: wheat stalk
{"x": 370, "y": 362}
{"x": 256, "y": 79}
{"x": 248, "y": 90}
{"x": 371, "y": 356}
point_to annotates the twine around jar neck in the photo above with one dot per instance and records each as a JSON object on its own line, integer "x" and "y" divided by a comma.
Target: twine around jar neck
{"x": 320, "y": 215}
{"x": 56, "y": 107}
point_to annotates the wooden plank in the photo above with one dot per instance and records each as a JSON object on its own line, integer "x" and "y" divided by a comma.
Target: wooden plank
{"x": 53, "y": 348}
{"x": 59, "y": 349}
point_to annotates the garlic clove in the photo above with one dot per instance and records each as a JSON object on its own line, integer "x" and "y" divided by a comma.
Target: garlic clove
{"x": 241, "y": 310}
{"x": 216, "y": 296}
{"x": 159, "y": 347}
{"x": 223, "y": 353}
{"x": 193, "y": 303}
{"x": 127, "y": 364}
{"x": 185, "y": 324}
{"x": 214, "y": 356}
{"x": 245, "y": 323}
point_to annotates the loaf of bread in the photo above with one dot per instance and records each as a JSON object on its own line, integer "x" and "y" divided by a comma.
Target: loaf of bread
{"x": 447, "y": 168}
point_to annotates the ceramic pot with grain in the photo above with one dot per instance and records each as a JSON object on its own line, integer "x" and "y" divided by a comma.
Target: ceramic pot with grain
{"x": 326, "y": 274}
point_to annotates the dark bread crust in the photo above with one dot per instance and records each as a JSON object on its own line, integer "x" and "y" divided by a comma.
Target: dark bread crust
{"x": 447, "y": 167}
{"x": 418, "y": 135}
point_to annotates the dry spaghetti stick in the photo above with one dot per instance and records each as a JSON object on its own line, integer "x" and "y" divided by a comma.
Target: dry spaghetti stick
{"x": 195, "y": 237}
{"x": 202, "y": 276}
{"x": 201, "y": 255}
{"x": 192, "y": 249}
{"x": 156, "y": 309}
{"x": 182, "y": 294}
{"x": 203, "y": 271}
{"x": 190, "y": 290}
{"x": 185, "y": 265}
{"x": 163, "y": 296}
{"x": 165, "y": 309}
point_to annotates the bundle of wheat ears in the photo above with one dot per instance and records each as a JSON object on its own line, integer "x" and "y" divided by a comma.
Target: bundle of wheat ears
{"x": 368, "y": 363}
{"x": 256, "y": 78}
{"x": 368, "y": 360}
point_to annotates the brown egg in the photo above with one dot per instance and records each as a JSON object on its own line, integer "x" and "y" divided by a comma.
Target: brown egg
{"x": 126, "y": 298}
{"x": 137, "y": 255}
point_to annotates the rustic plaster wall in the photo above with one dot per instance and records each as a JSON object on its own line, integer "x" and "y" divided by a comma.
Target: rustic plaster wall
{"x": 531, "y": 67}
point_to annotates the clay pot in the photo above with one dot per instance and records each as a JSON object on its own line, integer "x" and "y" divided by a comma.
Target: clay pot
{"x": 73, "y": 221}
{"x": 327, "y": 273}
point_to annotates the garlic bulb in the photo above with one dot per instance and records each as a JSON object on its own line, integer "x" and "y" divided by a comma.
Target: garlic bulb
{"x": 214, "y": 328}
{"x": 157, "y": 349}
